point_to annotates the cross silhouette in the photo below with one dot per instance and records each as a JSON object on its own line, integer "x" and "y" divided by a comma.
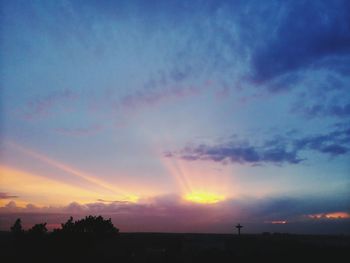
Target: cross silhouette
{"x": 239, "y": 228}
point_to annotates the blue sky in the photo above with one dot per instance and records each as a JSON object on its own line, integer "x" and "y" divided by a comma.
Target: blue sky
{"x": 146, "y": 103}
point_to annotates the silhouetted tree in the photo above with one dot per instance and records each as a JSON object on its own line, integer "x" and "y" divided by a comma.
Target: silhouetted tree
{"x": 89, "y": 224}
{"x": 68, "y": 226}
{"x": 38, "y": 229}
{"x": 17, "y": 227}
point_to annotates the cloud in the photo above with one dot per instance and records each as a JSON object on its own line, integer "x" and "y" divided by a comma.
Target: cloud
{"x": 7, "y": 196}
{"x": 322, "y": 110}
{"x": 153, "y": 96}
{"x": 229, "y": 42}
{"x": 43, "y": 106}
{"x": 11, "y": 205}
{"x": 239, "y": 153}
{"x": 333, "y": 143}
{"x": 111, "y": 201}
{"x": 172, "y": 213}
{"x": 306, "y": 33}
{"x": 278, "y": 150}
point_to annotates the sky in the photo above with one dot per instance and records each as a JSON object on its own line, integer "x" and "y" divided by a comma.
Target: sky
{"x": 176, "y": 116}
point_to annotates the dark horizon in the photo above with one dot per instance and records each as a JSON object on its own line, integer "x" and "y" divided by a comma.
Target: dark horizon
{"x": 325, "y": 227}
{"x": 95, "y": 238}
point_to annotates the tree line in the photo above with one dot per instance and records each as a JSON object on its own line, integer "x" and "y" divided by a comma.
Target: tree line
{"x": 93, "y": 225}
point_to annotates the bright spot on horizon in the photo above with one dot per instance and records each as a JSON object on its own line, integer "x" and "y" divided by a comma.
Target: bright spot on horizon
{"x": 334, "y": 215}
{"x": 281, "y": 222}
{"x": 204, "y": 198}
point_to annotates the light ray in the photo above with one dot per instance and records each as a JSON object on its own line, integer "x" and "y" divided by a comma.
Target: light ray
{"x": 199, "y": 184}
{"x": 33, "y": 187}
{"x": 177, "y": 174}
{"x": 72, "y": 171}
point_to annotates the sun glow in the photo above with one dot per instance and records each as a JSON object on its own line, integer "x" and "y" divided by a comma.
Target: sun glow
{"x": 200, "y": 184}
{"x": 131, "y": 198}
{"x": 204, "y": 198}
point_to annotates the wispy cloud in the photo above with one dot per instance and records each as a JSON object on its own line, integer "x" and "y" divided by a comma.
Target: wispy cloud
{"x": 144, "y": 98}
{"x": 43, "y": 106}
{"x": 7, "y": 196}
{"x": 322, "y": 110}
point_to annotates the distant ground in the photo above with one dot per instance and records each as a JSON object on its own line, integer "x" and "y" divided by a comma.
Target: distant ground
{"x": 166, "y": 247}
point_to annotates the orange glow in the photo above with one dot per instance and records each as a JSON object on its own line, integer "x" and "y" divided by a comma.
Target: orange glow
{"x": 19, "y": 203}
{"x": 334, "y": 215}
{"x": 96, "y": 185}
{"x": 66, "y": 168}
{"x": 43, "y": 191}
{"x": 338, "y": 215}
{"x": 204, "y": 198}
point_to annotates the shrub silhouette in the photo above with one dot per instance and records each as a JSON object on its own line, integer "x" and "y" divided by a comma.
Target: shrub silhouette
{"x": 17, "y": 227}
{"x": 90, "y": 224}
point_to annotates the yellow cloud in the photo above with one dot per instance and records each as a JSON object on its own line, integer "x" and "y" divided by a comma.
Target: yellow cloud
{"x": 204, "y": 198}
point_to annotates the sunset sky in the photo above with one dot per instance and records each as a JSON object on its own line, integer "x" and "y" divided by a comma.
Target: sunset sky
{"x": 176, "y": 116}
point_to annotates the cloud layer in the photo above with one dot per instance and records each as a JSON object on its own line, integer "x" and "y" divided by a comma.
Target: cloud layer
{"x": 171, "y": 213}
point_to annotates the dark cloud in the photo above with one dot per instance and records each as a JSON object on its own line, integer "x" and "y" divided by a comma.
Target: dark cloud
{"x": 333, "y": 143}
{"x": 240, "y": 153}
{"x": 322, "y": 110}
{"x": 277, "y": 151}
{"x": 307, "y": 32}
{"x": 229, "y": 41}
{"x": 7, "y": 196}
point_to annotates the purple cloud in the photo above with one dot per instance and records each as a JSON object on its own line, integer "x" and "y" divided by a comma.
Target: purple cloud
{"x": 276, "y": 151}
{"x": 43, "y": 106}
{"x": 240, "y": 153}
